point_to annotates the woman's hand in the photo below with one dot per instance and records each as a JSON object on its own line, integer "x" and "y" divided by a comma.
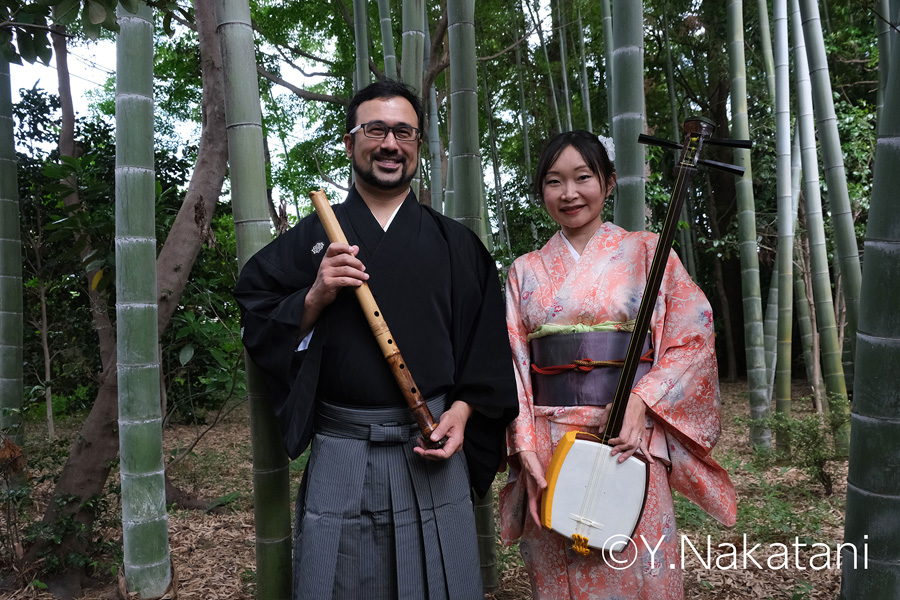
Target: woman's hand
{"x": 633, "y": 432}
{"x": 535, "y": 484}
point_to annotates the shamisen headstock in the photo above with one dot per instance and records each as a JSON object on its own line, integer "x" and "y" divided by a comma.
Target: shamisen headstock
{"x": 697, "y": 133}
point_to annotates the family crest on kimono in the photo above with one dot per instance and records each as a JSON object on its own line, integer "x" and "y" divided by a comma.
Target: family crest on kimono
{"x": 380, "y": 514}
{"x": 590, "y": 277}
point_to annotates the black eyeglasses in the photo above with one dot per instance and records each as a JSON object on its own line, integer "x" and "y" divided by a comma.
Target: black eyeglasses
{"x": 378, "y": 130}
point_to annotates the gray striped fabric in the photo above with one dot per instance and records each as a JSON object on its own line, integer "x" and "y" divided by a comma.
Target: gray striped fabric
{"x": 375, "y": 521}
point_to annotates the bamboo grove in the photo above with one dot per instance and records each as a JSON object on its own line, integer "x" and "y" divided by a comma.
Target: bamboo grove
{"x": 263, "y": 88}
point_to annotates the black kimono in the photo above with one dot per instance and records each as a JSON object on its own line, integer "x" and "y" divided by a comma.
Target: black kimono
{"x": 438, "y": 289}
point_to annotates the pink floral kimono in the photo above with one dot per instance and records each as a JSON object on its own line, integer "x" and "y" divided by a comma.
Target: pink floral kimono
{"x": 681, "y": 392}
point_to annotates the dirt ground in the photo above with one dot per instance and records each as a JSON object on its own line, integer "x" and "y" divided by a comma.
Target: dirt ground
{"x": 213, "y": 552}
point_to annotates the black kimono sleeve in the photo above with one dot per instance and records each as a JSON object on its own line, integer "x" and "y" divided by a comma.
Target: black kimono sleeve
{"x": 484, "y": 375}
{"x": 271, "y": 292}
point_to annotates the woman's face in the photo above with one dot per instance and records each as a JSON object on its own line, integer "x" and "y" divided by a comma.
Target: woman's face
{"x": 574, "y": 194}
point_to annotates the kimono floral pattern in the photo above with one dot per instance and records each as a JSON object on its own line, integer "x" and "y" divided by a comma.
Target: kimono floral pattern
{"x": 681, "y": 393}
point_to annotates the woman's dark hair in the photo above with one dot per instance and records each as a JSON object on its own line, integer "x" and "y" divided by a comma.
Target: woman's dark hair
{"x": 588, "y": 146}
{"x": 386, "y": 88}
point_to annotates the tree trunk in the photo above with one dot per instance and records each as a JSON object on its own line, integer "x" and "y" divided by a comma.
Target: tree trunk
{"x": 87, "y": 468}
{"x": 11, "y": 307}
{"x": 145, "y": 536}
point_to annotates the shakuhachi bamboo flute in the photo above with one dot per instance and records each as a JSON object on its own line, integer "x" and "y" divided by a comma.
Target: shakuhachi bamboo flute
{"x": 380, "y": 329}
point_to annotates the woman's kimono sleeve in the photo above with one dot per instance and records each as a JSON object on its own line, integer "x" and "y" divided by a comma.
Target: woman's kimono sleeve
{"x": 521, "y": 431}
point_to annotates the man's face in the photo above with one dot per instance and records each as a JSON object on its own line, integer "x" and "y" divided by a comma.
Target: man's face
{"x": 386, "y": 164}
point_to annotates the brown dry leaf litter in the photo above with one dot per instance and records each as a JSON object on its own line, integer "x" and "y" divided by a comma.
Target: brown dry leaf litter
{"x": 214, "y": 553}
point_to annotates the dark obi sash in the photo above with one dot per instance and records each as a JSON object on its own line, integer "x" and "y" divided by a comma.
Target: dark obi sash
{"x": 578, "y": 369}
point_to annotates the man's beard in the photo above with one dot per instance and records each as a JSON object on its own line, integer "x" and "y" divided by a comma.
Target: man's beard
{"x": 368, "y": 174}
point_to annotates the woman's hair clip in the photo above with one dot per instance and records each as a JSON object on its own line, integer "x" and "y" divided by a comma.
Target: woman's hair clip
{"x": 609, "y": 146}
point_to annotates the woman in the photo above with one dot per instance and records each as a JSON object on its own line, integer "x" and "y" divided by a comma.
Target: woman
{"x": 591, "y": 275}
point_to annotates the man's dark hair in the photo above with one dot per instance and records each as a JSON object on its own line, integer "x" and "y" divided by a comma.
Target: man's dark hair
{"x": 386, "y": 88}
{"x": 588, "y": 146}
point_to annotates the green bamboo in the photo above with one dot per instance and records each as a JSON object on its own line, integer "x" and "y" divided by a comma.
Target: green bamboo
{"x": 449, "y": 196}
{"x": 434, "y": 138}
{"x": 361, "y": 35}
{"x": 563, "y": 51}
{"x": 835, "y": 385}
{"x": 413, "y": 43}
{"x": 585, "y": 86}
{"x": 883, "y": 26}
{"x": 495, "y": 164}
{"x": 465, "y": 153}
{"x": 786, "y": 218}
{"x": 271, "y": 495}
{"x": 487, "y": 541}
{"x": 749, "y": 250}
{"x": 540, "y": 32}
{"x": 873, "y": 484}
{"x": 628, "y": 114}
{"x": 11, "y": 315}
{"x": 523, "y": 115}
{"x": 770, "y": 332}
{"x": 145, "y": 535}
{"x": 808, "y": 340}
{"x": 833, "y": 164}
{"x": 765, "y": 39}
{"x": 608, "y": 47}
{"x": 685, "y": 243}
{"x": 387, "y": 38}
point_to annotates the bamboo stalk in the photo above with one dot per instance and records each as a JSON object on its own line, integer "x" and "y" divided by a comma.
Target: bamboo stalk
{"x": 832, "y": 368}
{"x": 749, "y": 251}
{"x": 873, "y": 485}
{"x": 387, "y": 38}
{"x": 271, "y": 488}
{"x": 786, "y": 215}
{"x": 629, "y": 114}
{"x": 11, "y": 307}
{"x": 145, "y": 538}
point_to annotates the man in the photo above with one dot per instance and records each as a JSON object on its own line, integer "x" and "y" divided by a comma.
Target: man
{"x": 380, "y": 515}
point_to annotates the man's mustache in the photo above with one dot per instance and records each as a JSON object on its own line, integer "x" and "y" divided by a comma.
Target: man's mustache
{"x": 385, "y": 156}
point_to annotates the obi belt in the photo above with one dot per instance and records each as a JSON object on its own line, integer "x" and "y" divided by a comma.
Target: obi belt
{"x": 376, "y": 521}
{"x": 582, "y": 368}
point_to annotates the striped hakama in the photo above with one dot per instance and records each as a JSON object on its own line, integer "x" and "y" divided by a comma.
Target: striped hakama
{"x": 376, "y": 521}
